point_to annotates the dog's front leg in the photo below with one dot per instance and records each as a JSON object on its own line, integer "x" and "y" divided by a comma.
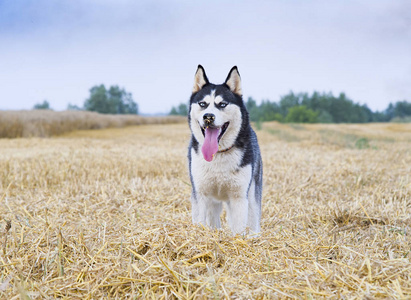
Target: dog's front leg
{"x": 238, "y": 215}
{"x": 214, "y": 209}
{"x": 197, "y": 210}
{"x": 206, "y": 211}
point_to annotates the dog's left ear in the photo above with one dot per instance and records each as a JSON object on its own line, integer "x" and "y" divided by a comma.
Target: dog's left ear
{"x": 233, "y": 81}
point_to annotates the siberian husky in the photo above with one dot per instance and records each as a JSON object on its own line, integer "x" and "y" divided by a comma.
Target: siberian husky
{"x": 224, "y": 157}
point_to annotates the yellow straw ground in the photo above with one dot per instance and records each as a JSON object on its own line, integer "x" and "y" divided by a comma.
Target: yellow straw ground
{"x": 106, "y": 214}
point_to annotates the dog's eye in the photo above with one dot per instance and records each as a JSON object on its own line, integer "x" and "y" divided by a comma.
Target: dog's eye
{"x": 222, "y": 104}
{"x": 202, "y": 104}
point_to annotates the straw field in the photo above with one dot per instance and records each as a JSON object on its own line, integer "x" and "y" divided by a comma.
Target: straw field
{"x": 46, "y": 123}
{"x": 105, "y": 214}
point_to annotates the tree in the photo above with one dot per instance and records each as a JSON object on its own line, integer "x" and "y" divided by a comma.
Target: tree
{"x": 341, "y": 109}
{"x": 180, "y": 110}
{"x": 122, "y": 101}
{"x": 321, "y": 108}
{"x": 301, "y": 114}
{"x": 379, "y": 117}
{"x": 319, "y": 102}
{"x": 324, "y": 117}
{"x": 98, "y": 100}
{"x": 269, "y": 111}
{"x": 402, "y": 109}
{"x": 288, "y": 101}
{"x": 253, "y": 109}
{"x": 389, "y": 112}
{"x": 73, "y": 107}
{"x": 111, "y": 101}
{"x": 250, "y": 104}
{"x": 183, "y": 109}
{"x": 44, "y": 105}
{"x": 173, "y": 111}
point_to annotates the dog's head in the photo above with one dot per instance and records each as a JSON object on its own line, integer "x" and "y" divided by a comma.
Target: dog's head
{"x": 216, "y": 112}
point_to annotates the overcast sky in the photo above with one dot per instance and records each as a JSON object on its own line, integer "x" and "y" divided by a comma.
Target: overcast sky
{"x": 58, "y": 49}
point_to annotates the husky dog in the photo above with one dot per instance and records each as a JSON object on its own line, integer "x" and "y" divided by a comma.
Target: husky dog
{"x": 224, "y": 157}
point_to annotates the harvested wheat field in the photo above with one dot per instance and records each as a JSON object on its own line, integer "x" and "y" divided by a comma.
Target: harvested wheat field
{"x": 105, "y": 214}
{"x": 46, "y": 123}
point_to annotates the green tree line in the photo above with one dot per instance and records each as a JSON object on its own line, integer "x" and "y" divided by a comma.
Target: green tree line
{"x": 114, "y": 100}
{"x": 318, "y": 108}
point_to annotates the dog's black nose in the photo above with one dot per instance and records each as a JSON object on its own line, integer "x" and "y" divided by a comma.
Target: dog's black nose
{"x": 209, "y": 118}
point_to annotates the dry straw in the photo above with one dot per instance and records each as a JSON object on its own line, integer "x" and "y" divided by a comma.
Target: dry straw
{"x": 46, "y": 123}
{"x": 106, "y": 214}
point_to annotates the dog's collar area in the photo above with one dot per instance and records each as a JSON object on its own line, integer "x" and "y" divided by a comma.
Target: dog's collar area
{"x": 225, "y": 150}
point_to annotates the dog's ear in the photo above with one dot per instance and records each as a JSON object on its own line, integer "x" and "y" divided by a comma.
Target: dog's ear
{"x": 233, "y": 81}
{"x": 200, "y": 79}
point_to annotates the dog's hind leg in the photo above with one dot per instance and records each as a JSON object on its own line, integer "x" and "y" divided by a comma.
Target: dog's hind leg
{"x": 254, "y": 210}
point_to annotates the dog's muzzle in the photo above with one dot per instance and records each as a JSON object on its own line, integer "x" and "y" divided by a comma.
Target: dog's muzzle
{"x": 208, "y": 119}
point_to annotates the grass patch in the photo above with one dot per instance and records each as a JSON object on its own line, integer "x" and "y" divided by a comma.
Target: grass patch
{"x": 362, "y": 143}
{"x": 283, "y": 135}
{"x": 296, "y": 126}
{"x": 258, "y": 125}
{"x": 345, "y": 140}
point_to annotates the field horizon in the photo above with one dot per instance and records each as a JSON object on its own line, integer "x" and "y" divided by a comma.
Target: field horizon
{"x": 106, "y": 214}
{"x": 48, "y": 123}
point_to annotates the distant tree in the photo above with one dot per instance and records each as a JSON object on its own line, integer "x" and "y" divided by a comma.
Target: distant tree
{"x": 122, "y": 101}
{"x": 340, "y": 109}
{"x": 98, "y": 101}
{"x": 401, "y": 119}
{"x": 396, "y": 112}
{"x": 402, "y": 109}
{"x": 320, "y": 103}
{"x": 321, "y": 108}
{"x": 73, "y": 107}
{"x": 301, "y": 114}
{"x": 379, "y": 117}
{"x": 44, "y": 105}
{"x": 324, "y": 117}
{"x": 269, "y": 111}
{"x": 288, "y": 101}
{"x": 173, "y": 111}
{"x": 111, "y": 101}
{"x": 180, "y": 110}
{"x": 253, "y": 109}
{"x": 250, "y": 104}
{"x": 366, "y": 114}
{"x": 183, "y": 109}
{"x": 389, "y": 112}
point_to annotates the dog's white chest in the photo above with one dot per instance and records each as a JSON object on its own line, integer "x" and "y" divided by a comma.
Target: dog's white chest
{"x": 221, "y": 179}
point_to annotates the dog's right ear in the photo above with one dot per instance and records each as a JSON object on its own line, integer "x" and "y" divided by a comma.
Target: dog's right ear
{"x": 200, "y": 79}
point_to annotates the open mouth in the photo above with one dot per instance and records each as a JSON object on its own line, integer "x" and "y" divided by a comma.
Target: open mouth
{"x": 222, "y": 129}
{"x": 212, "y": 135}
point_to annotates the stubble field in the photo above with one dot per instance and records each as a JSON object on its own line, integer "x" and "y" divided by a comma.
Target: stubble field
{"x": 106, "y": 214}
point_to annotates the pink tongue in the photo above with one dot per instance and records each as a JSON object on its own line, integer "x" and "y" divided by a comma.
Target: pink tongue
{"x": 210, "y": 146}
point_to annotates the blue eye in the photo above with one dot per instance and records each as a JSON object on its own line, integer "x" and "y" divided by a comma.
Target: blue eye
{"x": 222, "y": 104}
{"x": 202, "y": 104}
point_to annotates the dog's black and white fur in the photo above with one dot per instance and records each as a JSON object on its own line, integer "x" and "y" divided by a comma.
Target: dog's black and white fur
{"x": 233, "y": 175}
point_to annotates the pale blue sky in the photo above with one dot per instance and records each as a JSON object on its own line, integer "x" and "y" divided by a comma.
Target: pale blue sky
{"x": 58, "y": 49}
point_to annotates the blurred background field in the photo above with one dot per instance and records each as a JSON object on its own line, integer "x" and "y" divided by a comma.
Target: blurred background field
{"x": 46, "y": 123}
{"x": 106, "y": 214}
